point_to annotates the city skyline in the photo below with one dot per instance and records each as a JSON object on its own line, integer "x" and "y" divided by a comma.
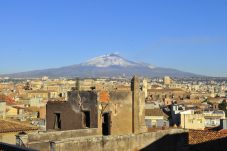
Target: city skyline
{"x": 189, "y": 36}
{"x": 109, "y": 75}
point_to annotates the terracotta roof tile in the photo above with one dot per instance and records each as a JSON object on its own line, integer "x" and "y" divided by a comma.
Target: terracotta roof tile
{"x": 12, "y": 126}
{"x": 155, "y": 112}
{"x": 104, "y": 96}
{"x": 197, "y": 137}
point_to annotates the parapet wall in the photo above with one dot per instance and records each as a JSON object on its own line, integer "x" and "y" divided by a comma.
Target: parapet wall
{"x": 108, "y": 143}
{"x": 42, "y": 141}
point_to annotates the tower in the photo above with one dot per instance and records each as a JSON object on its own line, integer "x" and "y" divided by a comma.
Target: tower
{"x": 135, "y": 88}
{"x": 145, "y": 87}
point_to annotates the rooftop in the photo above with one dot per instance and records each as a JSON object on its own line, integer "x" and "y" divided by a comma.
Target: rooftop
{"x": 199, "y": 136}
{"x": 166, "y": 90}
{"x": 155, "y": 112}
{"x": 12, "y": 126}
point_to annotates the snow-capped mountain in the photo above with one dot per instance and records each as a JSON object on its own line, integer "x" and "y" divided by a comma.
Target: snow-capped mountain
{"x": 109, "y": 60}
{"x": 111, "y": 65}
{"x": 113, "y": 60}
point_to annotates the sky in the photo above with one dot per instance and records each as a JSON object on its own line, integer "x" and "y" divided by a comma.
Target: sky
{"x": 189, "y": 35}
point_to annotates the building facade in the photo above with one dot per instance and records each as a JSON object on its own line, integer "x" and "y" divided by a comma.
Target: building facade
{"x": 113, "y": 112}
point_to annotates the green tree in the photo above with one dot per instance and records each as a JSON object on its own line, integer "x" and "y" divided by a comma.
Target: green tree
{"x": 222, "y": 106}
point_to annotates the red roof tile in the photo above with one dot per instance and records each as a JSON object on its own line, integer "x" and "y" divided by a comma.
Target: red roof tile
{"x": 197, "y": 137}
{"x": 12, "y": 126}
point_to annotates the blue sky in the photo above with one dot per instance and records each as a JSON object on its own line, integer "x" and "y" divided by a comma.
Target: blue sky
{"x": 190, "y": 35}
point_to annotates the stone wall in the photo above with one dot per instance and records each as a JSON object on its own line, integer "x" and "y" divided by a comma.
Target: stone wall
{"x": 121, "y": 112}
{"x": 108, "y": 143}
{"x": 10, "y": 147}
{"x": 41, "y": 141}
{"x": 71, "y": 115}
{"x": 8, "y": 137}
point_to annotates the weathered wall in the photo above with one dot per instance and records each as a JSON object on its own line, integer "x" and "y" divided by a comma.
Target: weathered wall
{"x": 116, "y": 143}
{"x": 121, "y": 112}
{"x": 41, "y": 141}
{"x": 8, "y": 138}
{"x": 120, "y": 106}
{"x": 142, "y": 125}
{"x": 135, "y": 88}
{"x": 70, "y": 111}
{"x": 109, "y": 143}
{"x": 126, "y": 109}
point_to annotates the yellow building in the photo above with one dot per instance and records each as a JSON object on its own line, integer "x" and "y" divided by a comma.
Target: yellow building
{"x": 201, "y": 121}
{"x": 38, "y": 94}
{"x": 2, "y": 109}
{"x": 11, "y": 112}
{"x": 36, "y": 84}
{"x": 193, "y": 121}
{"x": 167, "y": 80}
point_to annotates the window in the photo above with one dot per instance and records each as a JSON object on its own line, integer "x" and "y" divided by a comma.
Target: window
{"x": 148, "y": 123}
{"x": 106, "y": 124}
{"x": 190, "y": 121}
{"x": 86, "y": 119}
{"x": 57, "y": 123}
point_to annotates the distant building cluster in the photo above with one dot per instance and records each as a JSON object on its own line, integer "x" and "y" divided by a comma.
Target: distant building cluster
{"x": 108, "y": 107}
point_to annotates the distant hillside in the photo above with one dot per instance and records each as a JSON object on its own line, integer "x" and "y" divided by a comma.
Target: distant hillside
{"x": 111, "y": 65}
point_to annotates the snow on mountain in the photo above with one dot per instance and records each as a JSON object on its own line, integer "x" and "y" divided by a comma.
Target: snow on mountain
{"x": 108, "y": 60}
{"x": 147, "y": 65}
{"x": 113, "y": 60}
{"x": 111, "y": 65}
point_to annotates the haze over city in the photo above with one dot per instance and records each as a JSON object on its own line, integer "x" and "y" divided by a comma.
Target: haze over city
{"x": 185, "y": 35}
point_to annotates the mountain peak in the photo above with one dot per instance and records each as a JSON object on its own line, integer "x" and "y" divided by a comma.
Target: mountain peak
{"x": 112, "y": 59}
{"x": 110, "y": 65}
{"x": 115, "y": 54}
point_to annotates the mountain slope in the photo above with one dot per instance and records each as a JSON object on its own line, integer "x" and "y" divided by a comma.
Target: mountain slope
{"x": 105, "y": 66}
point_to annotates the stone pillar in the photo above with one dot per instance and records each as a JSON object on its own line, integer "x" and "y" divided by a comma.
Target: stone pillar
{"x": 99, "y": 119}
{"x": 142, "y": 125}
{"x": 135, "y": 88}
{"x": 145, "y": 87}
